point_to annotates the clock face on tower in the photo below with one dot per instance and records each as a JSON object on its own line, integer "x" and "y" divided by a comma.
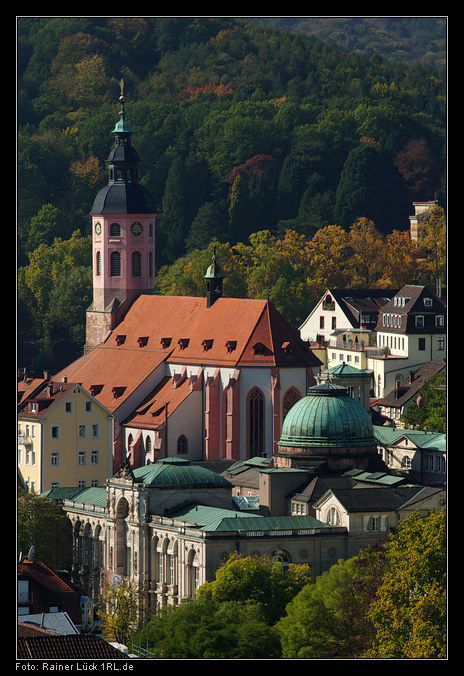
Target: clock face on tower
{"x": 98, "y": 228}
{"x": 136, "y": 229}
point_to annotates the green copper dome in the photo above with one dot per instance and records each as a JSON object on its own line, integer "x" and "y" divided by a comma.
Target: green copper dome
{"x": 327, "y": 417}
{"x": 177, "y": 472}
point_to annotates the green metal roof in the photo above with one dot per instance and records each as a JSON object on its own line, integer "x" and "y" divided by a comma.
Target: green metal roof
{"x": 327, "y": 417}
{"x": 122, "y": 127}
{"x": 433, "y": 441}
{"x": 177, "y": 472}
{"x": 214, "y": 519}
{"x": 267, "y": 523}
{"x": 95, "y": 495}
{"x": 207, "y": 518}
{"x": 375, "y": 477}
{"x": 345, "y": 370}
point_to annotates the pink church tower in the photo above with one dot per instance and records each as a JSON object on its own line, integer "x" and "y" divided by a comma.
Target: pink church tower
{"x": 123, "y": 232}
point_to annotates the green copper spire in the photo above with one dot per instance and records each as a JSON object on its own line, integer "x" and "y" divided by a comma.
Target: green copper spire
{"x": 122, "y": 125}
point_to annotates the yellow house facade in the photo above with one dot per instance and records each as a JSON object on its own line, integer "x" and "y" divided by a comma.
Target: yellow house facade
{"x": 65, "y": 437}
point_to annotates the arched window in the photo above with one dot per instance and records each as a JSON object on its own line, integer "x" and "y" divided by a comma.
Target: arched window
{"x": 182, "y": 444}
{"x": 98, "y": 264}
{"x": 193, "y": 572}
{"x": 150, "y": 263}
{"x": 333, "y": 516}
{"x": 136, "y": 264}
{"x": 115, "y": 230}
{"x": 291, "y": 397}
{"x": 122, "y": 550}
{"x": 282, "y": 557}
{"x": 115, "y": 264}
{"x": 148, "y": 450}
{"x": 255, "y": 423}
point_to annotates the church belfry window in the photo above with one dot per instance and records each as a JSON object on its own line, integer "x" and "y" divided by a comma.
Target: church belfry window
{"x": 115, "y": 264}
{"x": 136, "y": 264}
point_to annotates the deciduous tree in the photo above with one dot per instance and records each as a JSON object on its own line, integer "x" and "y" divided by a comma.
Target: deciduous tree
{"x": 409, "y": 611}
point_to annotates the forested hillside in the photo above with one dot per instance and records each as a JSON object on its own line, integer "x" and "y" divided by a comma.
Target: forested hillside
{"x": 240, "y": 129}
{"x": 409, "y": 39}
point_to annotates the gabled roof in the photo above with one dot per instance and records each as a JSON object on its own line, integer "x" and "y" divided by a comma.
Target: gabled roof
{"x": 224, "y": 334}
{"x": 233, "y": 332}
{"x": 45, "y": 576}
{"x": 353, "y": 301}
{"x": 410, "y": 388}
{"x": 46, "y": 395}
{"x": 111, "y": 375}
{"x": 164, "y": 399}
{"x": 390, "y": 436}
{"x": 412, "y": 304}
{"x": 379, "y": 499}
{"x": 80, "y": 646}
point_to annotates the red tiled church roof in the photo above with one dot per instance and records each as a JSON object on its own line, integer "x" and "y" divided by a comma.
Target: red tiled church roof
{"x": 151, "y": 413}
{"x": 233, "y": 332}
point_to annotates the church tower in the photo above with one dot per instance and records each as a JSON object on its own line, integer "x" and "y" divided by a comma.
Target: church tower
{"x": 123, "y": 235}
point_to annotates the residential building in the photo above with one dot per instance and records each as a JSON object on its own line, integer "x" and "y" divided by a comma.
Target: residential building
{"x": 345, "y": 310}
{"x": 374, "y": 510}
{"x": 406, "y": 393}
{"x": 415, "y": 453}
{"x": 65, "y": 436}
{"x": 42, "y": 590}
{"x": 420, "y": 208}
{"x": 410, "y": 330}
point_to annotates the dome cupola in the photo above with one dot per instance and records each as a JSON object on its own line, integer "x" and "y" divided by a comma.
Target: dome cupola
{"x": 327, "y": 427}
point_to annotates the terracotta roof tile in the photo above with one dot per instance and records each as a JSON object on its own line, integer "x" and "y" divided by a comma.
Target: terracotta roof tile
{"x": 183, "y": 330}
{"x": 223, "y": 334}
{"x": 151, "y": 413}
{"x": 112, "y": 373}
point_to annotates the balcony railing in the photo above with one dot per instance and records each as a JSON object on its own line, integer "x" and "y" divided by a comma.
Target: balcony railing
{"x": 371, "y": 350}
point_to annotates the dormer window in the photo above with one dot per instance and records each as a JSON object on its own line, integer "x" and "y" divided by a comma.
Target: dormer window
{"x": 287, "y": 347}
{"x": 120, "y": 339}
{"x": 231, "y": 345}
{"x": 207, "y": 344}
{"x": 118, "y": 392}
{"x": 183, "y": 343}
{"x": 427, "y": 302}
{"x": 95, "y": 389}
{"x": 259, "y": 348}
{"x": 142, "y": 341}
{"x": 165, "y": 342}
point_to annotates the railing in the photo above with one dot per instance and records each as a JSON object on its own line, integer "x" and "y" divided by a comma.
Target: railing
{"x": 23, "y": 439}
{"x": 147, "y": 652}
{"x": 359, "y": 347}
